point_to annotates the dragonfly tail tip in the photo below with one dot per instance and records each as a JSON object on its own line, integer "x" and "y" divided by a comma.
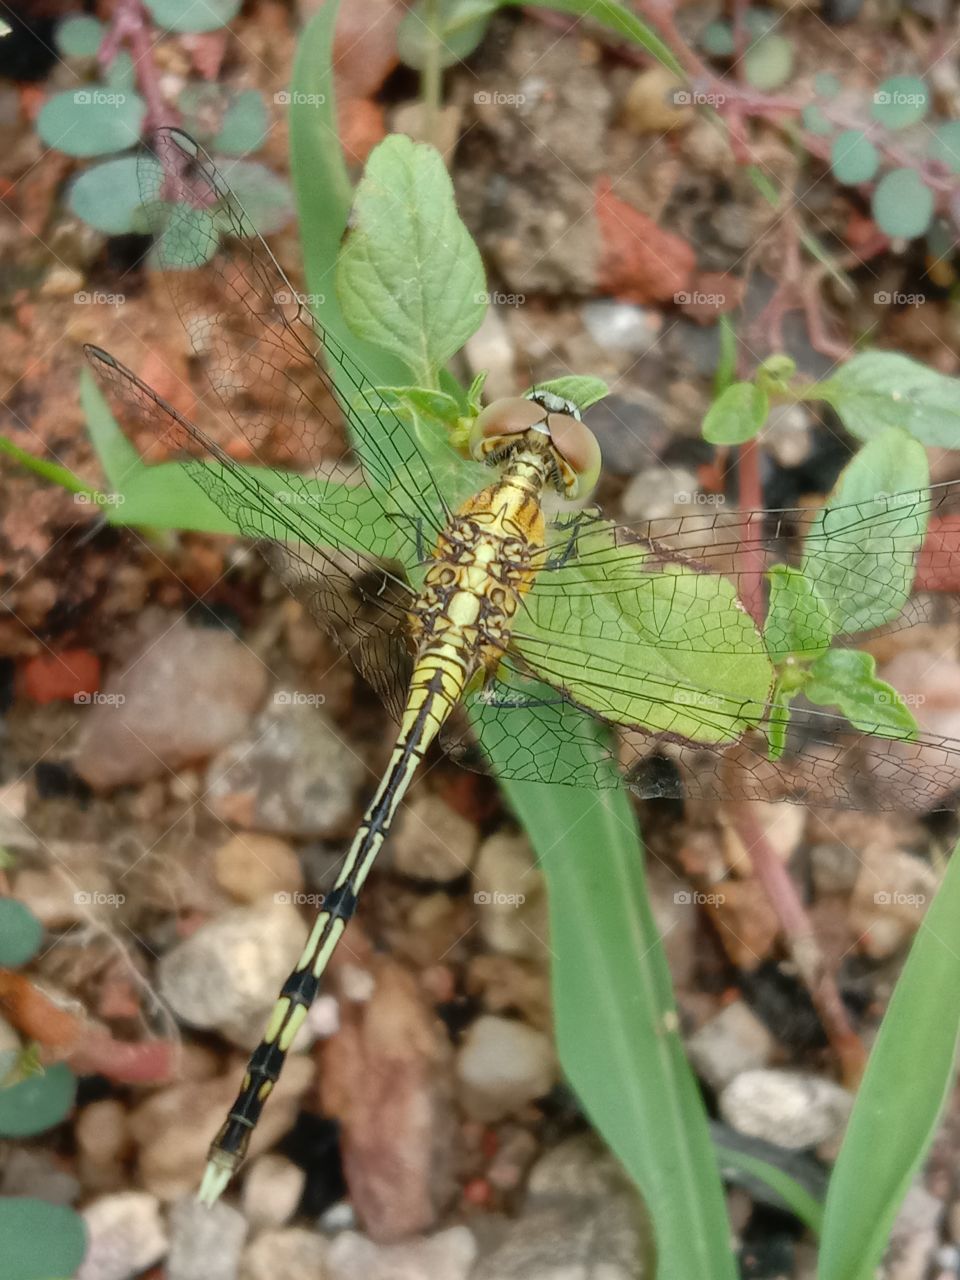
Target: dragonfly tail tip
{"x": 213, "y": 1184}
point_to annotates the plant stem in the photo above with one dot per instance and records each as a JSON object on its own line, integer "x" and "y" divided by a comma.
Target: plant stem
{"x": 131, "y": 25}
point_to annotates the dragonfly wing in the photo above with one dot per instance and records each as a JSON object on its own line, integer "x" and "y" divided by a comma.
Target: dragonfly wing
{"x": 308, "y": 531}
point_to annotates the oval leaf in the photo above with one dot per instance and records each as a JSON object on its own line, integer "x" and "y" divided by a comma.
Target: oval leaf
{"x": 409, "y": 276}
{"x": 881, "y": 389}
{"x": 91, "y": 122}
{"x": 798, "y": 621}
{"x": 265, "y": 197}
{"x": 38, "y": 1102}
{"x": 767, "y": 64}
{"x": 901, "y": 101}
{"x": 107, "y": 196}
{"x": 853, "y": 157}
{"x": 846, "y": 679}
{"x": 40, "y": 1241}
{"x": 20, "y": 933}
{"x": 244, "y": 125}
{"x": 736, "y": 415}
{"x": 902, "y": 205}
{"x": 193, "y": 15}
{"x": 79, "y": 36}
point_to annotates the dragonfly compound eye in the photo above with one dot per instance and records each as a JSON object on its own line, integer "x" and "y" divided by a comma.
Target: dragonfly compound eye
{"x": 577, "y": 452}
{"x": 493, "y": 426}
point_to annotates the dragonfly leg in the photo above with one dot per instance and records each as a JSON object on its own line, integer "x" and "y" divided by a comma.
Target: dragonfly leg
{"x": 559, "y": 559}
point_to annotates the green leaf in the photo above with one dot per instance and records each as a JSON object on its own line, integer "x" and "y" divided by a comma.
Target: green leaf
{"x": 901, "y": 101}
{"x": 778, "y": 718}
{"x": 265, "y": 197}
{"x": 798, "y": 622}
{"x": 191, "y": 16}
{"x": 616, "y": 17}
{"x": 107, "y": 195}
{"x": 814, "y": 121}
{"x": 91, "y": 122}
{"x": 616, "y": 1020}
{"x": 185, "y": 242}
{"x": 859, "y": 553}
{"x": 846, "y": 679}
{"x": 121, "y": 74}
{"x": 38, "y": 1102}
{"x": 79, "y": 36}
{"x": 47, "y": 470}
{"x": 853, "y": 157}
{"x": 945, "y": 145}
{"x": 581, "y": 391}
{"x": 40, "y": 1241}
{"x": 244, "y": 126}
{"x": 737, "y": 415}
{"x": 877, "y": 390}
{"x": 20, "y": 934}
{"x": 458, "y": 28}
{"x": 716, "y": 39}
{"x": 902, "y": 204}
{"x": 794, "y": 1197}
{"x": 409, "y": 276}
{"x": 908, "y": 1079}
{"x": 768, "y": 62}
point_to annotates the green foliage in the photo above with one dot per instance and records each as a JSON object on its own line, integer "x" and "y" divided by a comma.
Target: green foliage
{"x": 79, "y": 36}
{"x": 768, "y": 62}
{"x": 737, "y": 414}
{"x": 20, "y": 933}
{"x": 945, "y": 145}
{"x": 193, "y": 16}
{"x": 902, "y": 205}
{"x": 853, "y": 157}
{"x": 454, "y": 32}
{"x": 579, "y": 390}
{"x": 37, "y": 1102}
{"x": 40, "y": 1241}
{"x": 901, "y": 101}
{"x": 107, "y": 196}
{"x": 880, "y": 389}
{"x": 91, "y": 122}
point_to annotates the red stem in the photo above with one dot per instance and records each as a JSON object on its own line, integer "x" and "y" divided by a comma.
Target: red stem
{"x": 131, "y": 26}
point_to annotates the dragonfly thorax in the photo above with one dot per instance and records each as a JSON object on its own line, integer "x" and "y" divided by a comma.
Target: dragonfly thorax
{"x": 539, "y": 424}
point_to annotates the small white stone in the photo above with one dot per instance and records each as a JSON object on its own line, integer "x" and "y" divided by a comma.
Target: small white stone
{"x": 448, "y": 1255}
{"x": 126, "y": 1236}
{"x": 503, "y": 1065}
{"x": 272, "y": 1190}
{"x": 789, "y": 1108}
{"x": 732, "y": 1042}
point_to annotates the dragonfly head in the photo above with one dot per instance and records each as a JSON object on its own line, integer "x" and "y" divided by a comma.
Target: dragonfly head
{"x": 545, "y": 423}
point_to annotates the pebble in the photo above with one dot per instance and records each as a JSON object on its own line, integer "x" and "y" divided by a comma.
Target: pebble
{"x": 891, "y": 894}
{"x": 292, "y": 1254}
{"x": 791, "y": 1109}
{"x": 914, "y": 1236}
{"x": 251, "y": 865}
{"x": 656, "y": 493}
{"x": 431, "y": 841}
{"x": 272, "y": 1190}
{"x": 581, "y": 1221}
{"x": 448, "y": 1255}
{"x": 656, "y": 102}
{"x": 733, "y": 1041}
{"x": 492, "y": 349}
{"x": 788, "y": 434}
{"x": 37, "y": 1172}
{"x": 502, "y": 1066}
{"x": 226, "y": 976}
{"x": 387, "y": 1078}
{"x": 621, "y": 326}
{"x": 290, "y": 774}
{"x": 834, "y": 868}
{"x": 510, "y": 898}
{"x": 184, "y": 695}
{"x": 125, "y": 1235}
{"x": 103, "y": 1138}
{"x": 205, "y": 1241}
{"x": 174, "y": 1127}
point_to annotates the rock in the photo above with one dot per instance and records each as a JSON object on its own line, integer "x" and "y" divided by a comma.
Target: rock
{"x": 629, "y": 430}
{"x": 914, "y": 1236}
{"x": 37, "y": 1172}
{"x": 660, "y": 492}
{"x": 621, "y": 326}
{"x": 448, "y": 1255}
{"x": 430, "y": 841}
{"x": 834, "y": 867}
{"x": 226, "y": 976}
{"x": 183, "y": 696}
{"x": 788, "y": 434}
{"x": 205, "y": 1241}
{"x": 502, "y": 1065}
{"x": 506, "y": 984}
{"x": 491, "y": 349}
{"x": 271, "y": 1191}
{"x": 386, "y": 1077}
{"x": 789, "y": 1108}
{"x": 581, "y": 1221}
{"x": 174, "y": 1127}
{"x": 510, "y": 898}
{"x": 892, "y": 892}
{"x": 103, "y": 1139}
{"x": 251, "y": 866}
{"x": 732, "y": 1042}
{"x": 289, "y": 775}
{"x": 656, "y": 102}
{"x": 125, "y": 1236}
{"x": 293, "y": 1254}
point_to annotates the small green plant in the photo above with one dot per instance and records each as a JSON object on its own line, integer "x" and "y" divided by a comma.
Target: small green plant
{"x": 119, "y": 101}
{"x": 38, "y": 1241}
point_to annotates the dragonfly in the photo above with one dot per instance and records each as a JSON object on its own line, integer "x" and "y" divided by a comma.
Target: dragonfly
{"x": 487, "y": 583}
